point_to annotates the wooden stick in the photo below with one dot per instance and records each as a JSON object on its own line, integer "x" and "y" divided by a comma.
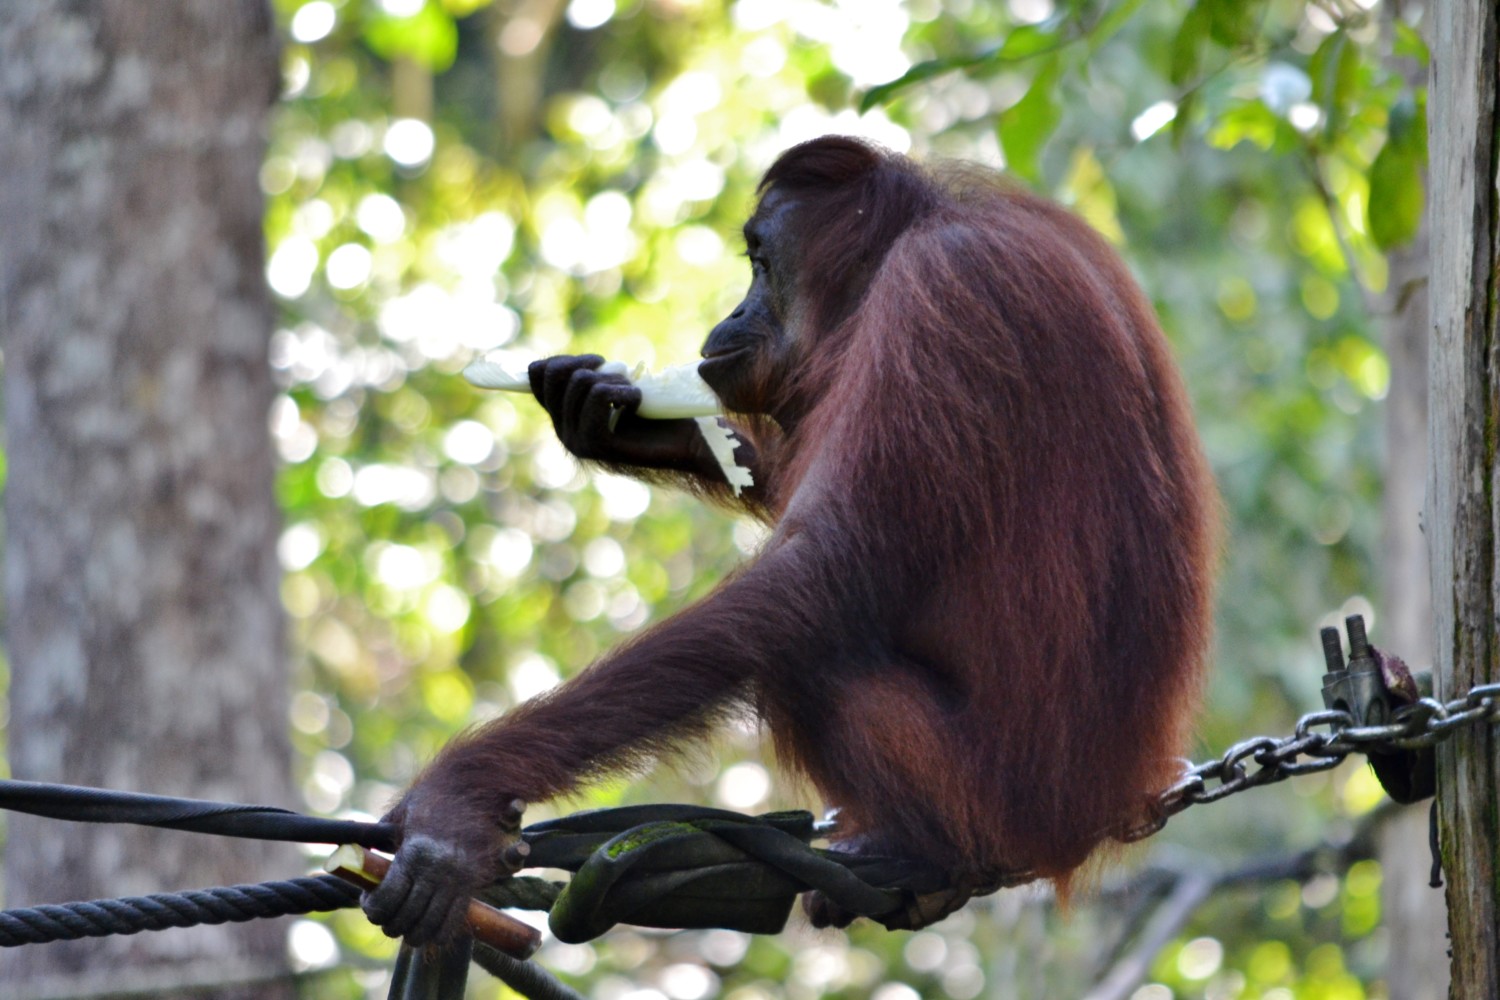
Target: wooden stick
{"x": 500, "y": 931}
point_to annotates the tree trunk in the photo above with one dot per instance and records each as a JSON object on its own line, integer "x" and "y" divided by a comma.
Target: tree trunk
{"x": 1462, "y": 507}
{"x": 145, "y": 631}
{"x": 1415, "y": 920}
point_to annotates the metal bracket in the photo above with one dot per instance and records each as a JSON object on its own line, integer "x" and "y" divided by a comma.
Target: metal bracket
{"x": 1364, "y": 690}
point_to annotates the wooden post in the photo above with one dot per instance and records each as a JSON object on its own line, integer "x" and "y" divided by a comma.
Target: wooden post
{"x": 1462, "y": 507}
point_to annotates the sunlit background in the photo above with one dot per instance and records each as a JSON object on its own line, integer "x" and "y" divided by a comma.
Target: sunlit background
{"x": 453, "y": 176}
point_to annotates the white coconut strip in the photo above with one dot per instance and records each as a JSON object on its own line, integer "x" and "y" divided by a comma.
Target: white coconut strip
{"x": 672, "y": 393}
{"x": 669, "y": 394}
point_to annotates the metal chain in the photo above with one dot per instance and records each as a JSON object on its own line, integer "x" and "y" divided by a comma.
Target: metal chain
{"x": 1320, "y": 741}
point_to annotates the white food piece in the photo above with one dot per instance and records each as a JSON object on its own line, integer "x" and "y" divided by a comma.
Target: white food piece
{"x": 672, "y": 393}
{"x": 721, "y": 441}
{"x": 675, "y": 392}
{"x": 350, "y": 857}
{"x": 498, "y": 371}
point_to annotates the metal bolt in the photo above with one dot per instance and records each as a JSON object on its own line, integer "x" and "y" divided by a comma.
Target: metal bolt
{"x": 1359, "y": 645}
{"x": 1333, "y": 650}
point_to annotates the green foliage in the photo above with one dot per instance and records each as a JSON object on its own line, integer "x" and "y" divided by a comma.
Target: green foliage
{"x": 1397, "y": 192}
{"x": 1026, "y": 125}
{"x": 1335, "y": 70}
{"x": 1233, "y": 23}
{"x": 876, "y": 96}
{"x": 1113, "y": 20}
{"x": 1188, "y": 45}
{"x": 430, "y": 37}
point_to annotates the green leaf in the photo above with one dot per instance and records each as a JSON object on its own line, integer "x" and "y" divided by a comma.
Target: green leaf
{"x": 1346, "y": 77}
{"x": 1027, "y": 40}
{"x": 1233, "y": 23}
{"x": 428, "y": 37}
{"x": 1396, "y": 197}
{"x": 1321, "y": 65}
{"x": 1334, "y": 70}
{"x": 1181, "y": 122}
{"x": 1023, "y": 43}
{"x": 1251, "y": 122}
{"x": 1111, "y": 23}
{"x": 1187, "y": 46}
{"x": 882, "y": 93}
{"x": 1026, "y": 126}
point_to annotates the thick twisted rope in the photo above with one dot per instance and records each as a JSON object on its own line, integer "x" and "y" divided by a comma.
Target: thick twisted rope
{"x": 130, "y": 915}
{"x": 659, "y": 866}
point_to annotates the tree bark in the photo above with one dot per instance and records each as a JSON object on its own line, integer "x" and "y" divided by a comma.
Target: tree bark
{"x": 1415, "y": 920}
{"x": 1462, "y": 508}
{"x": 144, "y": 624}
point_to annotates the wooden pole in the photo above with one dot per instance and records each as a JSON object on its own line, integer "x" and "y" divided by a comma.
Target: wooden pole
{"x": 1462, "y": 508}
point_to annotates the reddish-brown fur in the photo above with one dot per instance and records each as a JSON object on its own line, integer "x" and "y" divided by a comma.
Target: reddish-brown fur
{"x": 979, "y": 625}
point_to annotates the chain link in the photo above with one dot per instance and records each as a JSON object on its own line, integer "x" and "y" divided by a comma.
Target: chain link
{"x": 1320, "y": 741}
